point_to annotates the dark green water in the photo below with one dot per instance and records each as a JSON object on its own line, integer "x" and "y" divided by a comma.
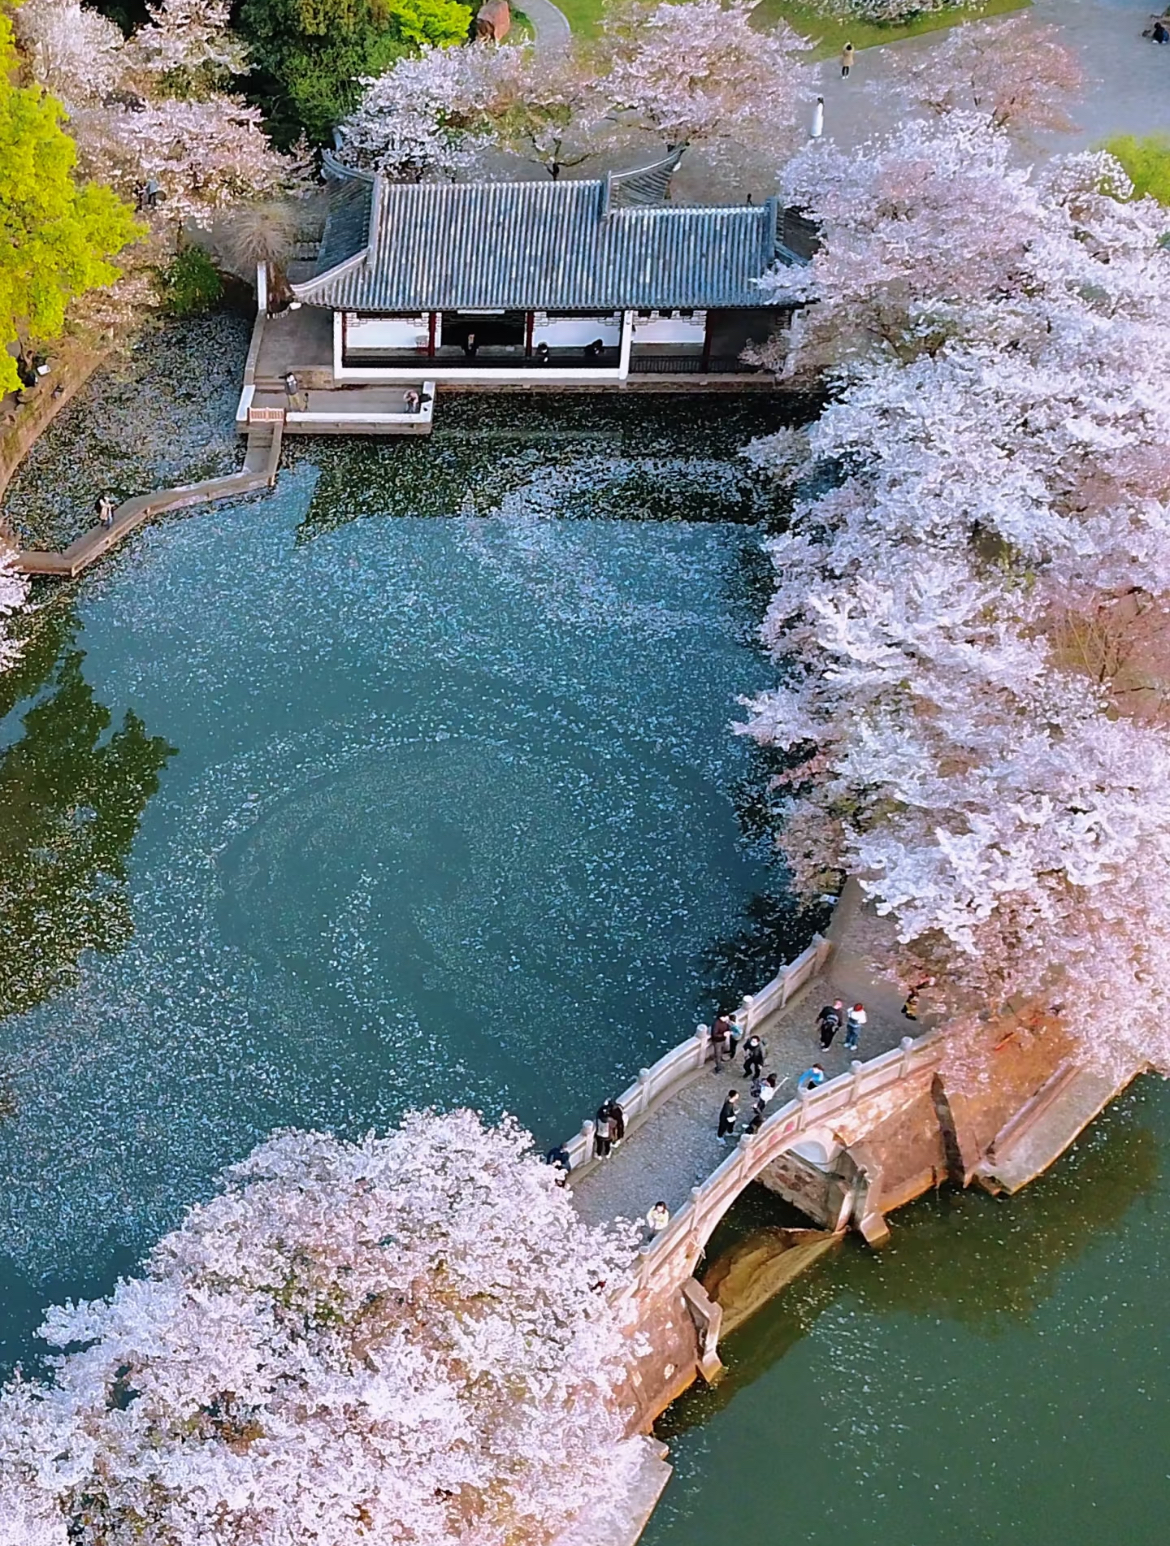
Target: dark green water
{"x": 400, "y": 787}
{"x": 394, "y": 788}
{"x": 998, "y": 1375}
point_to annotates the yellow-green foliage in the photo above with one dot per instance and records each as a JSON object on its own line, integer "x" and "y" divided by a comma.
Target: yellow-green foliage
{"x": 56, "y": 237}
{"x": 1146, "y": 161}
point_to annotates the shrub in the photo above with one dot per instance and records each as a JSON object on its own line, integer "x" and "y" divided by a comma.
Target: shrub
{"x": 190, "y": 284}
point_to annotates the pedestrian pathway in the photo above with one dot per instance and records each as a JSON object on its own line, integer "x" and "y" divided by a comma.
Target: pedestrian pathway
{"x": 258, "y": 471}
{"x": 676, "y": 1148}
{"x": 549, "y": 23}
{"x": 1127, "y": 87}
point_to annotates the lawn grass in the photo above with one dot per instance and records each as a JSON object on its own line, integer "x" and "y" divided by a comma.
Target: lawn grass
{"x": 585, "y": 18}
{"x": 830, "y": 33}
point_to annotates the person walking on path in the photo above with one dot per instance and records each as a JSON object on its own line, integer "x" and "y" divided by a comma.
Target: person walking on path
{"x": 719, "y": 1034}
{"x": 728, "y": 1117}
{"x": 764, "y": 1092}
{"x": 734, "y": 1032}
{"x": 754, "y": 1053}
{"x": 105, "y": 510}
{"x": 658, "y": 1218}
{"x": 847, "y": 59}
{"x": 811, "y": 1078}
{"x": 818, "y": 120}
{"x": 829, "y": 1022}
{"x": 854, "y": 1022}
{"x": 610, "y": 1128}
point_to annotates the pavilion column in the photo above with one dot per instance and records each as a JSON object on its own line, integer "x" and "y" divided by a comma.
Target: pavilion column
{"x": 707, "y": 342}
{"x": 430, "y": 335}
{"x": 627, "y": 341}
{"x": 529, "y": 321}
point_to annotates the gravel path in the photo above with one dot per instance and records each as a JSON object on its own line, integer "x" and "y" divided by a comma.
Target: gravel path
{"x": 677, "y": 1149}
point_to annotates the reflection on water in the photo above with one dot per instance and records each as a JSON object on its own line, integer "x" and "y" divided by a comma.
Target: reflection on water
{"x": 452, "y": 822}
{"x": 606, "y": 458}
{"x": 966, "y": 1383}
{"x": 72, "y": 793}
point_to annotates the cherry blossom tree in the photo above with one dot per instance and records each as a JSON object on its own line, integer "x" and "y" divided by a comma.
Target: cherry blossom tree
{"x": 689, "y": 73}
{"x": 13, "y": 596}
{"x": 697, "y": 72}
{"x": 1017, "y": 73}
{"x": 400, "y": 1339}
{"x": 434, "y": 114}
{"x": 973, "y": 591}
{"x": 73, "y": 51}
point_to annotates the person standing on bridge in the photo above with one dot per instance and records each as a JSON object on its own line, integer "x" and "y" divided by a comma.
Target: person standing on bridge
{"x": 610, "y": 1128}
{"x": 855, "y": 1021}
{"x": 728, "y": 1116}
{"x": 829, "y": 1022}
{"x": 720, "y": 1032}
{"x": 754, "y": 1053}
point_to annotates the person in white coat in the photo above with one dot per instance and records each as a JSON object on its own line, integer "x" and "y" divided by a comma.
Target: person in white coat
{"x": 818, "y": 119}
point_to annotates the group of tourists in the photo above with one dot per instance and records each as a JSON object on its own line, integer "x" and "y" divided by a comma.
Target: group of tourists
{"x": 727, "y": 1034}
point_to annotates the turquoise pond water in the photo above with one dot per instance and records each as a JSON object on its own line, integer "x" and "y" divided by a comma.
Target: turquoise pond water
{"x": 350, "y": 799}
{"x": 412, "y": 783}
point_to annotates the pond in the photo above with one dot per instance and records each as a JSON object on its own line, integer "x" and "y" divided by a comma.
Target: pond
{"x": 412, "y": 783}
{"x": 409, "y": 784}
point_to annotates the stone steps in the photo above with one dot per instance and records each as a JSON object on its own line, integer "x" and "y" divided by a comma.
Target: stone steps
{"x": 1040, "y": 1133}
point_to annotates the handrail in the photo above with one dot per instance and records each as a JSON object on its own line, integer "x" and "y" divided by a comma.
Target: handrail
{"x": 654, "y": 1085}
{"x": 673, "y": 1254}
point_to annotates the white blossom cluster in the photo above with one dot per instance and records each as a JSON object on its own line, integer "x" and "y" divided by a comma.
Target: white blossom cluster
{"x": 153, "y": 109}
{"x": 684, "y": 72}
{"x": 401, "y": 1340}
{"x": 974, "y": 591}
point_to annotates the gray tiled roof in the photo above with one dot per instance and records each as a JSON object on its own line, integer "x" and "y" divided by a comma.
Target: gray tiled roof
{"x": 547, "y": 245}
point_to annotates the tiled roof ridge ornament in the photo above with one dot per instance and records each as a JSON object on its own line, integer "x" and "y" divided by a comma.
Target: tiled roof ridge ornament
{"x": 641, "y": 186}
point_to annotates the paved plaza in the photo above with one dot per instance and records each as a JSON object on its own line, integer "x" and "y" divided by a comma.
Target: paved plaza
{"x": 1127, "y": 90}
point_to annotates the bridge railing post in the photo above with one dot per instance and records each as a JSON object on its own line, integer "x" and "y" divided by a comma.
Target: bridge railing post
{"x": 858, "y": 1069}
{"x": 746, "y": 1012}
{"x": 703, "y": 1037}
{"x": 906, "y": 1044}
{"x": 804, "y": 1096}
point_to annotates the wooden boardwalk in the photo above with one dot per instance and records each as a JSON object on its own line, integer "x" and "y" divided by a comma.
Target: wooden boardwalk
{"x": 258, "y": 472}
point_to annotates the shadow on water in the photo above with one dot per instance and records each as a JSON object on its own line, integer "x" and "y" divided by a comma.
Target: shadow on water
{"x": 655, "y": 459}
{"x": 72, "y": 794}
{"x": 986, "y": 1263}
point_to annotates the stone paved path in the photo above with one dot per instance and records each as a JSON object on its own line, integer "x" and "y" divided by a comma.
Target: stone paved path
{"x": 677, "y": 1149}
{"x": 1128, "y": 89}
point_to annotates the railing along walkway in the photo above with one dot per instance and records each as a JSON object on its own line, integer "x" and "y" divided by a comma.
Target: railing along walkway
{"x": 258, "y": 471}
{"x": 672, "y": 1109}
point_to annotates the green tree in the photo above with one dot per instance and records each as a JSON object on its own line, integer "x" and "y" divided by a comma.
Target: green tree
{"x": 309, "y": 56}
{"x": 1146, "y": 161}
{"x": 58, "y": 236}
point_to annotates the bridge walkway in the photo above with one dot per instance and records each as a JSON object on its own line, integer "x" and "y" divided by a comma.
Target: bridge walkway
{"x": 675, "y": 1148}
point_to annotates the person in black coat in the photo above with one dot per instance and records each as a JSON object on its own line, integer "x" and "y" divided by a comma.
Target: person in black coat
{"x": 753, "y": 1057}
{"x": 610, "y": 1128}
{"x": 728, "y": 1116}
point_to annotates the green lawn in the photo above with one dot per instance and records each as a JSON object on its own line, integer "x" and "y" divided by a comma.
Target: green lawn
{"x": 831, "y": 34}
{"x": 584, "y": 16}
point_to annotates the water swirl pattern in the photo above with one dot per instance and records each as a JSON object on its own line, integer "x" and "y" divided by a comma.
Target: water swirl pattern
{"x": 444, "y": 814}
